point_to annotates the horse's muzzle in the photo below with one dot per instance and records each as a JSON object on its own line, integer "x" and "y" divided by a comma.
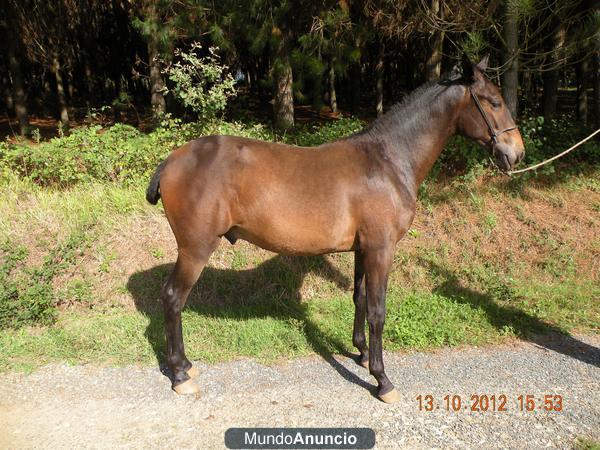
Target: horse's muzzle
{"x": 506, "y": 156}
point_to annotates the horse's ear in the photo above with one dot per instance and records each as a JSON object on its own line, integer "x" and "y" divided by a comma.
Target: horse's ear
{"x": 483, "y": 64}
{"x": 467, "y": 68}
{"x": 455, "y": 72}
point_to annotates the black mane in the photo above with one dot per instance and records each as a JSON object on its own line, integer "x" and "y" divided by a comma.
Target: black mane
{"x": 408, "y": 116}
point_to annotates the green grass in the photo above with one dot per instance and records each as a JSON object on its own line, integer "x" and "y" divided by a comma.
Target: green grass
{"x": 270, "y": 328}
{"x": 28, "y": 207}
{"x": 586, "y": 444}
{"x": 253, "y": 304}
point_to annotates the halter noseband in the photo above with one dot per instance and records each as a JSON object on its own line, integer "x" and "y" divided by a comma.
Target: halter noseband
{"x": 493, "y": 134}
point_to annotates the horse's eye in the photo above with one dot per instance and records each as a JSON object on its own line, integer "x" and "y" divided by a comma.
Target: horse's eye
{"x": 495, "y": 104}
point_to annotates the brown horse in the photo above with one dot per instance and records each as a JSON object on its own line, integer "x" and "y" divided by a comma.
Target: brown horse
{"x": 355, "y": 194}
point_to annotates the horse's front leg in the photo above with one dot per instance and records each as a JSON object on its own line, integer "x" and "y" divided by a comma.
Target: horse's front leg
{"x": 377, "y": 265}
{"x": 360, "y": 309}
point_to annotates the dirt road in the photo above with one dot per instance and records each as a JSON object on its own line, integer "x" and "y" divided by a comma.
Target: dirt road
{"x": 89, "y": 406}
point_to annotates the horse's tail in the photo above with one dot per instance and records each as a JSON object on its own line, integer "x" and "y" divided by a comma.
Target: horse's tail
{"x": 153, "y": 191}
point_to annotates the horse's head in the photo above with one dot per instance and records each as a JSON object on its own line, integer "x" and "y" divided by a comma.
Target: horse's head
{"x": 485, "y": 118}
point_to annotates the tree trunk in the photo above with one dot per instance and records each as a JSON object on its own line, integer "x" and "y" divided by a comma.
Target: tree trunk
{"x": 283, "y": 102}
{"x": 355, "y": 87}
{"x": 551, "y": 76}
{"x": 316, "y": 93}
{"x": 550, "y": 95}
{"x": 379, "y": 72}
{"x": 157, "y": 84}
{"x": 596, "y": 57}
{"x": 48, "y": 97}
{"x": 332, "y": 93}
{"x": 582, "y": 83}
{"x": 7, "y": 93}
{"x": 71, "y": 86}
{"x": 433, "y": 65}
{"x": 18, "y": 84}
{"x": 510, "y": 81}
{"x": 9, "y": 101}
{"x": 60, "y": 92}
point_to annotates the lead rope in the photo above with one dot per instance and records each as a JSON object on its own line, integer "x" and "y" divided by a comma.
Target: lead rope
{"x": 512, "y": 172}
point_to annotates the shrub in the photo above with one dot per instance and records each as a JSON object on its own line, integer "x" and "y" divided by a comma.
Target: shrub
{"x": 545, "y": 139}
{"x": 27, "y": 295}
{"x": 119, "y": 153}
{"x": 201, "y": 83}
{"x": 122, "y": 154}
{"x": 542, "y": 140}
{"x": 319, "y": 134}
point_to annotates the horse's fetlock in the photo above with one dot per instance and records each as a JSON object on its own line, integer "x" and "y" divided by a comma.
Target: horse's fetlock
{"x": 376, "y": 368}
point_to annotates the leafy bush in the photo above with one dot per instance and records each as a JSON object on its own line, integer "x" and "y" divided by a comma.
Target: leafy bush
{"x": 319, "y": 134}
{"x": 119, "y": 153}
{"x": 27, "y": 294}
{"x": 201, "y": 83}
{"x": 542, "y": 140}
{"x": 84, "y": 155}
{"x": 123, "y": 154}
{"x": 545, "y": 139}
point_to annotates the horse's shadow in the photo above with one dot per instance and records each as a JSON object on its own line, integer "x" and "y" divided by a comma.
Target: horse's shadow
{"x": 502, "y": 316}
{"x": 272, "y": 289}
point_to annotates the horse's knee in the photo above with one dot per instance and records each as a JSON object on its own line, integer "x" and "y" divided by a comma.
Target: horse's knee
{"x": 360, "y": 304}
{"x": 376, "y": 318}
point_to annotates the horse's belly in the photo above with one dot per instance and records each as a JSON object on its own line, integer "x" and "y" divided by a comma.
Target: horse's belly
{"x": 298, "y": 233}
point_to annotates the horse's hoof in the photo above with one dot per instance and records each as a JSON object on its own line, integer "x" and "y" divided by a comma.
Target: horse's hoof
{"x": 364, "y": 363}
{"x": 390, "y": 397}
{"x": 188, "y": 387}
{"x": 193, "y": 372}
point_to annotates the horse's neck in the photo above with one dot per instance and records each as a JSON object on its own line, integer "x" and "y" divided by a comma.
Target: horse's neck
{"x": 418, "y": 137}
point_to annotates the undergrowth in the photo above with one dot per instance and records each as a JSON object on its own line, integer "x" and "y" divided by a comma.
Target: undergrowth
{"x": 27, "y": 293}
{"x": 66, "y": 199}
{"x": 122, "y": 154}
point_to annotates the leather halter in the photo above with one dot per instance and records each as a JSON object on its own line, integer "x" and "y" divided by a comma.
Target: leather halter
{"x": 493, "y": 134}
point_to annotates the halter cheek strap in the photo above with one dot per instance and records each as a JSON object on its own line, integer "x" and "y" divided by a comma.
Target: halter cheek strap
{"x": 493, "y": 134}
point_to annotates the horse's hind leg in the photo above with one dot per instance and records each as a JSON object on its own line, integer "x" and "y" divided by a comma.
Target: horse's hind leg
{"x": 174, "y": 294}
{"x": 360, "y": 309}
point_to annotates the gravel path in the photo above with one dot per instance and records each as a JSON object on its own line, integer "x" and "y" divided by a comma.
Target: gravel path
{"x": 89, "y": 406}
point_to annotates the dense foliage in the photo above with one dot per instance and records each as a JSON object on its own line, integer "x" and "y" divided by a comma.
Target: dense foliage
{"x": 361, "y": 56}
{"x": 122, "y": 154}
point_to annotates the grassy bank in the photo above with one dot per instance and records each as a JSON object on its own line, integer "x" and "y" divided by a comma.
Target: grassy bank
{"x": 486, "y": 260}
